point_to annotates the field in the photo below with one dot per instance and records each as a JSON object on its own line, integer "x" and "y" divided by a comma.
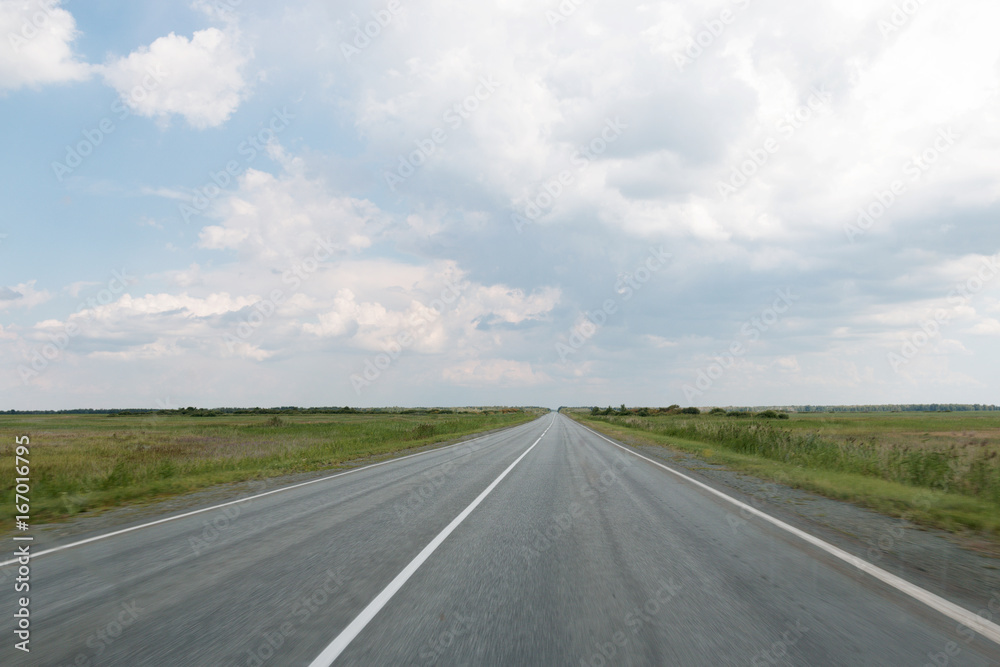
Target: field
{"x": 936, "y": 468}
{"x": 90, "y": 462}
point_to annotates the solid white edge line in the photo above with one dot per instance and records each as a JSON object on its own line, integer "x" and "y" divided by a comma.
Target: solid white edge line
{"x": 986, "y": 628}
{"x": 248, "y": 498}
{"x": 347, "y": 635}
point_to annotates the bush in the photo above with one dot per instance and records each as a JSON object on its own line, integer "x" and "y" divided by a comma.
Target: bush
{"x": 737, "y": 413}
{"x": 690, "y": 411}
{"x": 717, "y": 411}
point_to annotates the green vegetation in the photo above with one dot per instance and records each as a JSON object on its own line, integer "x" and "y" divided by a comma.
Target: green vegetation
{"x": 85, "y": 462}
{"x": 951, "y": 460}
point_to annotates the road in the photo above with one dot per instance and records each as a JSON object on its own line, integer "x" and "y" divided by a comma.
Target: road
{"x": 543, "y": 544}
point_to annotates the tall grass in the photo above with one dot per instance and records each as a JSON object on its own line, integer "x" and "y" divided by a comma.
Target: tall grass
{"x": 967, "y": 469}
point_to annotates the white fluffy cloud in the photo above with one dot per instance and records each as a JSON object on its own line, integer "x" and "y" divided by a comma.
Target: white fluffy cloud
{"x": 271, "y": 217}
{"x": 37, "y": 46}
{"x": 201, "y": 79}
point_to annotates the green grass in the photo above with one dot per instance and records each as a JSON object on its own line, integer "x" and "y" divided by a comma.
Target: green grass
{"x": 940, "y": 469}
{"x": 92, "y": 462}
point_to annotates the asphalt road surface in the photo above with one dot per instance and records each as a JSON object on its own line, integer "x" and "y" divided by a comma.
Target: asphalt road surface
{"x": 543, "y": 544}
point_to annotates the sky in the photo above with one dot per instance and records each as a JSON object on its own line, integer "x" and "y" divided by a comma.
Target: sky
{"x": 747, "y": 202}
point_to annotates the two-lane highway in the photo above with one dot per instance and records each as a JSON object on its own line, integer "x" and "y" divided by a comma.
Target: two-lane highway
{"x": 544, "y": 544}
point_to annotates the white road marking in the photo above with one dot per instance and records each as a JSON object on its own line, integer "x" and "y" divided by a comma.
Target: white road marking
{"x": 984, "y": 627}
{"x": 242, "y": 500}
{"x": 347, "y": 635}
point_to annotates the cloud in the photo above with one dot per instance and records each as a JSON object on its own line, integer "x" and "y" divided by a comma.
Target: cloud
{"x": 200, "y": 79}
{"x": 988, "y": 327}
{"x": 499, "y": 303}
{"x": 660, "y": 341}
{"x": 276, "y": 218}
{"x": 146, "y": 327}
{"x": 494, "y": 373}
{"x": 23, "y": 295}
{"x": 449, "y": 321}
{"x": 521, "y": 109}
{"x": 37, "y": 45}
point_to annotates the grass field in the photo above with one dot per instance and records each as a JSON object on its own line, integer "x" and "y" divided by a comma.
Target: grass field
{"x": 90, "y": 462}
{"x": 936, "y": 468}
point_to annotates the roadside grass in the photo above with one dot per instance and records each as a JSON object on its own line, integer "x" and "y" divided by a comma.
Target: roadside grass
{"x": 947, "y": 479}
{"x": 93, "y": 462}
